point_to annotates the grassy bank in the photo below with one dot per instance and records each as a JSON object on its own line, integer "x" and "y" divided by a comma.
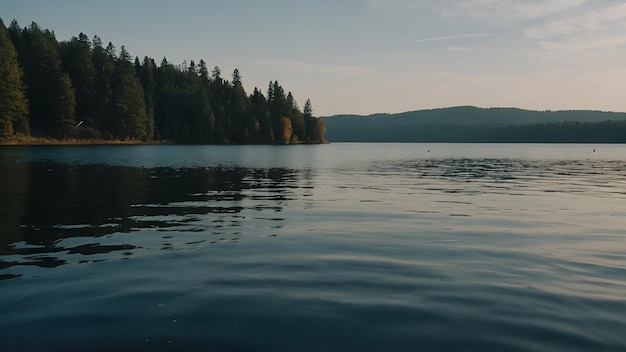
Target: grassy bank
{"x": 28, "y": 140}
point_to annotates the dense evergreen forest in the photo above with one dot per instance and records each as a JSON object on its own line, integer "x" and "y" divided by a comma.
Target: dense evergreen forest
{"x": 81, "y": 89}
{"x": 468, "y": 124}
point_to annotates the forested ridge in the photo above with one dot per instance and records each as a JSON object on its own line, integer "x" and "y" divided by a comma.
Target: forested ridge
{"x": 81, "y": 89}
{"x": 468, "y": 124}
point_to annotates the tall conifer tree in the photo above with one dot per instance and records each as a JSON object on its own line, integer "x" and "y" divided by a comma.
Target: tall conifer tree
{"x": 128, "y": 109}
{"x": 49, "y": 88}
{"x": 13, "y": 102}
{"x": 77, "y": 62}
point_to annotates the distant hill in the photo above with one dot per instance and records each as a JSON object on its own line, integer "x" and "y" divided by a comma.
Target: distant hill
{"x": 472, "y": 124}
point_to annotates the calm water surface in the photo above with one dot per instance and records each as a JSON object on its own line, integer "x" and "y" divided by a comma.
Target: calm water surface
{"x": 362, "y": 247}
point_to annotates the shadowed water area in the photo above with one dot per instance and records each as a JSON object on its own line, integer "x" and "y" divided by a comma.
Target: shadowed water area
{"x": 368, "y": 247}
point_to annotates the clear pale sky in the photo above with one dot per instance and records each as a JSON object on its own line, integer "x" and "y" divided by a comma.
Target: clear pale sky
{"x": 369, "y": 56}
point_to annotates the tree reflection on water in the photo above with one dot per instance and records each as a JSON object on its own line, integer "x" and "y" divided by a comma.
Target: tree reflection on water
{"x": 55, "y": 209}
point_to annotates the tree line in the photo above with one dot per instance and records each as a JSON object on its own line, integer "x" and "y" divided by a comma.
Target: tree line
{"x": 477, "y": 125}
{"x": 550, "y": 132}
{"x": 85, "y": 90}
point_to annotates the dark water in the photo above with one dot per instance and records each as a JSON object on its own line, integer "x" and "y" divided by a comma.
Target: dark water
{"x": 381, "y": 247}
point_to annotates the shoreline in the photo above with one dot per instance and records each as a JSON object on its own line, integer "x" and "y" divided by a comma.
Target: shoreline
{"x": 40, "y": 141}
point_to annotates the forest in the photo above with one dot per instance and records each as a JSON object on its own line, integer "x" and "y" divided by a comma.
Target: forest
{"x": 468, "y": 124}
{"x": 81, "y": 89}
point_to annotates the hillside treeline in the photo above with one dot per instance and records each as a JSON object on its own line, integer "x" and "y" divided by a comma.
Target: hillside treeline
{"x": 552, "y": 132}
{"x": 85, "y": 90}
{"x": 476, "y": 125}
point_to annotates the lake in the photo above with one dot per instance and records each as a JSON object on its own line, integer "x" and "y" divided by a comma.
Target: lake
{"x": 340, "y": 247}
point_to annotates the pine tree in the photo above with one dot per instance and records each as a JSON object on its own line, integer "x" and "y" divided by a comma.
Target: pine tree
{"x": 261, "y": 114}
{"x": 243, "y": 124}
{"x": 77, "y": 61}
{"x": 147, "y": 76}
{"x": 279, "y": 109}
{"x": 297, "y": 119}
{"x": 309, "y": 121}
{"x": 104, "y": 65}
{"x": 203, "y": 71}
{"x": 129, "y": 118}
{"x": 49, "y": 88}
{"x": 315, "y": 127}
{"x": 216, "y": 74}
{"x": 15, "y": 33}
{"x": 192, "y": 69}
{"x": 13, "y": 102}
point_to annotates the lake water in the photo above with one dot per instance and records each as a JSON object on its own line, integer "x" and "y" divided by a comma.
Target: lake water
{"x": 340, "y": 247}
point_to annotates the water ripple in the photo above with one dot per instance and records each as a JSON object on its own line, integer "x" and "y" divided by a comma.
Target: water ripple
{"x": 363, "y": 248}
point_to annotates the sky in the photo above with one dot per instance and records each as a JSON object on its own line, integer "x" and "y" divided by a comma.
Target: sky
{"x": 374, "y": 56}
